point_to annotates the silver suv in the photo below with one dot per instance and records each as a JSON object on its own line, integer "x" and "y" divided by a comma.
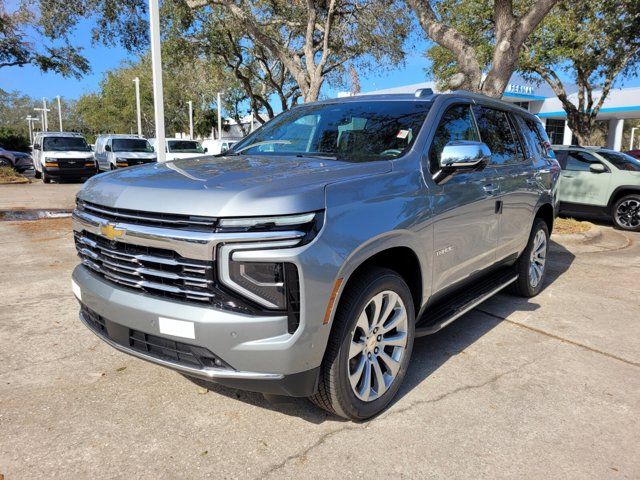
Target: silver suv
{"x": 307, "y": 259}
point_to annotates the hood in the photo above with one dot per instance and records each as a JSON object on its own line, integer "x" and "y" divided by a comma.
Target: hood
{"x": 177, "y": 156}
{"x": 67, "y": 154}
{"x": 135, "y": 155}
{"x": 225, "y": 186}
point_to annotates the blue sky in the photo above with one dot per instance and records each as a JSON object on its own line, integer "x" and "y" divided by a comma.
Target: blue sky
{"x": 30, "y": 81}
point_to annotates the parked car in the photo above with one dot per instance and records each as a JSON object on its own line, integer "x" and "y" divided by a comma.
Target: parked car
{"x": 19, "y": 161}
{"x": 218, "y": 146}
{"x": 117, "y": 151}
{"x": 61, "y": 155}
{"x": 634, "y": 153}
{"x": 179, "y": 148}
{"x": 601, "y": 183}
{"x": 306, "y": 261}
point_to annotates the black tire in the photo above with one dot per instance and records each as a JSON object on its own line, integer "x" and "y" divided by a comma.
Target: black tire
{"x": 626, "y": 213}
{"x": 335, "y": 393}
{"x": 111, "y": 167}
{"x": 5, "y": 163}
{"x": 36, "y": 173}
{"x": 97, "y": 166}
{"x": 45, "y": 176}
{"x": 525, "y": 286}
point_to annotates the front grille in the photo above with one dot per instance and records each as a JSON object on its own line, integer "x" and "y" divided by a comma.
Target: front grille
{"x": 72, "y": 162}
{"x": 158, "y": 271}
{"x": 154, "y": 346}
{"x": 151, "y": 219}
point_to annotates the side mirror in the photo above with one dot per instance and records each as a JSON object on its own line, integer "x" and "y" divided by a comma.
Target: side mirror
{"x": 36, "y": 146}
{"x": 464, "y": 154}
{"x": 206, "y": 149}
{"x": 107, "y": 148}
{"x": 597, "y": 168}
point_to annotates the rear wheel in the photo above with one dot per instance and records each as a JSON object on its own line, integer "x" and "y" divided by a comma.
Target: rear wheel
{"x": 532, "y": 264}
{"x": 626, "y": 213}
{"x": 370, "y": 346}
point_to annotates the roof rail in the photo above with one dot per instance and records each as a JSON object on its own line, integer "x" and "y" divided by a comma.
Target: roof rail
{"x": 423, "y": 92}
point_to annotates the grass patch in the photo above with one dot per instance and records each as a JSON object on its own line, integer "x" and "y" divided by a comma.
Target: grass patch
{"x": 9, "y": 175}
{"x": 569, "y": 225}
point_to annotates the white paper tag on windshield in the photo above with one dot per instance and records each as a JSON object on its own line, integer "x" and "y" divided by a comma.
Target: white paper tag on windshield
{"x": 177, "y": 328}
{"x": 403, "y": 134}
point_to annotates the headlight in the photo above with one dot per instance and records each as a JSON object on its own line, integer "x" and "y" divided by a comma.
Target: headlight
{"x": 262, "y": 282}
{"x": 50, "y": 162}
{"x": 308, "y": 223}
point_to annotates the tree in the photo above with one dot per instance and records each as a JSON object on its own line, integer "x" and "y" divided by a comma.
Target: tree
{"x": 216, "y": 37}
{"x": 593, "y": 43}
{"x": 17, "y": 49}
{"x": 316, "y": 38}
{"x": 478, "y": 42}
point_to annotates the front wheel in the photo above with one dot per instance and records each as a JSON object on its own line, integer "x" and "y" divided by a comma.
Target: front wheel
{"x": 370, "y": 346}
{"x": 45, "y": 176}
{"x": 37, "y": 173}
{"x": 626, "y": 213}
{"x": 532, "y": 264}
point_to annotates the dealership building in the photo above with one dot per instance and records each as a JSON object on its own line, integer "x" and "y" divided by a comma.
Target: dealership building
{"x": 621, "y": 104}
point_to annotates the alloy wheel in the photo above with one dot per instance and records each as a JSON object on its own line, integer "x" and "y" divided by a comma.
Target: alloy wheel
{"x": 628, "y": 213}
{"x": 538, "y": 258}
{"x": 378, "y": 344}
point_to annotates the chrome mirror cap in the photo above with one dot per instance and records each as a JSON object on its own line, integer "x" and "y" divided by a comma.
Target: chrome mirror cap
{"x": 464, "y": 154}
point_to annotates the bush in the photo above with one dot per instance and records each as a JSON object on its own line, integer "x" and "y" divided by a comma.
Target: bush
{"x": 14, "y": 141}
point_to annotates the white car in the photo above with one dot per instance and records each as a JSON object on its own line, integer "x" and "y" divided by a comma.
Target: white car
{"x": 218, "y": 146}
{"x": 118, "y": 151}
{"x": 177, "y": 148}
{"x": 61, "y": 155}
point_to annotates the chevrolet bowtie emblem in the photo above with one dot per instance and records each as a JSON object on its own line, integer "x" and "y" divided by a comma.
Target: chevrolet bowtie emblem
{"x": 111, "y": 232}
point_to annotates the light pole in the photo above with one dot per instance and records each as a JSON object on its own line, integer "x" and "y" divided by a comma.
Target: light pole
{"x": 137, "y": 82}
{"x": 156, "y": 69}
{"x": 59, "y": 112}
{"x": 30, "y": 120}
{"x": 633, "y": 131}
{"x": 190, "y": 119}
{"x": 45, "y": 110}
{"x": 219, "y": 117}
{"x": 43, "y": 117}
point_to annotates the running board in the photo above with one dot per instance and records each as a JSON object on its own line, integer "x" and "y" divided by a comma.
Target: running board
{"x": 441, "y": 315}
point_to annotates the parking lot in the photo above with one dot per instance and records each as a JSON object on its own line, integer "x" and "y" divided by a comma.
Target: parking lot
{"x": 547, "y": 387}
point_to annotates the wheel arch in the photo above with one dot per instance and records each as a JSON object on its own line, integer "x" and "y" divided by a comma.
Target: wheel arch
{"x": 620, "y": 192}
{"x": 400, "y": 258}
{"x": 546, "y": 213}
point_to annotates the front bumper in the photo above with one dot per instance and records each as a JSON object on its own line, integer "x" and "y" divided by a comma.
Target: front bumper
{"x": 260, "y": 356}
{"x": 68, "y": 172}
{"x": 23, "y": 163}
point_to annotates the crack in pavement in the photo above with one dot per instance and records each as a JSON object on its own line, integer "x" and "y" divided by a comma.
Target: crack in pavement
{"x": 390, "y": 413}
{"x": 561, "y": 339}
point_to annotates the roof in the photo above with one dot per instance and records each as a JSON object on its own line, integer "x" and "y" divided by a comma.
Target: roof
{"x": 60, "y": 134}
{"x": 119, "y": 135}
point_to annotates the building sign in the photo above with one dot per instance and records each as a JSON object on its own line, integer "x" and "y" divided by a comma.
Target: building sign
{"x": 524, "y": 89}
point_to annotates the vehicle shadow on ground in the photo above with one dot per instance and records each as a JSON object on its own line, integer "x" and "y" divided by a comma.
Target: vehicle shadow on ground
{"x": 429, "y": 353}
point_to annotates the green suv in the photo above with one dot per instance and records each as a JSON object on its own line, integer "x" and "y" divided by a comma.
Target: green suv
{"x": 598, "y": 182}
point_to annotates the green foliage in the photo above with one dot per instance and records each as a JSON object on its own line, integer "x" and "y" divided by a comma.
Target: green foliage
{"x": 12, "y": 140}
{"x": 25, "y": 40}
{"x": 113, "y": 108}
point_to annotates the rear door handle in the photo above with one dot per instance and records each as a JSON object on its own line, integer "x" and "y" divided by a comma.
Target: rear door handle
{"x": 490, "y": 189}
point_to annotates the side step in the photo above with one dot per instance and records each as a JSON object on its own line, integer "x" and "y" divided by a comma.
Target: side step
{"x": 460, "y": 302}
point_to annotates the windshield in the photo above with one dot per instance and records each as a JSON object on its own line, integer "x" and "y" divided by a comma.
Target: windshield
{"x": 349, "y": 131}
{"x": 185, "y": 146}
{"x": 130, "y": 145}
{"x": 622, "y": 160}
{"x": 61, "y": 144}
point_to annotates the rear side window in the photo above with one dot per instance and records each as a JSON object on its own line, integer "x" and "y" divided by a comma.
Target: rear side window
{"x": 579, "y": 161}
{"x": 534, "y": 143}
{"x": 496, "y": 131}
{"x": 456, "y": 124}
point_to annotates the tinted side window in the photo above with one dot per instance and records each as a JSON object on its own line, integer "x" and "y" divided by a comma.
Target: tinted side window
{"x": 456, "y": 124}
{"x": 496, "y": 132}
{"x": 579, "y": 161}
{"x": 531, "y": 136}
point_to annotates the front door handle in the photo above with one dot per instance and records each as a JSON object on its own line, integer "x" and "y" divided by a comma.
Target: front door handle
{"x": 490, "y": 189}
